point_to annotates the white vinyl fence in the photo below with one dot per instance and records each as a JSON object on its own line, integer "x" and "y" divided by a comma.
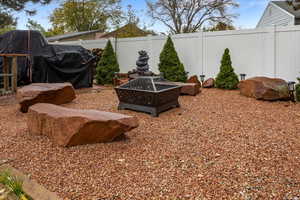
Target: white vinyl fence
{"x": 272, "y": 51}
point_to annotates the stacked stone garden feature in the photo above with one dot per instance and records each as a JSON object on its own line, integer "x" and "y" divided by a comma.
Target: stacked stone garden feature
{"x": 142, "y": 63}
{"x": 142, "y": 68}
{"x": 226, "y": 78}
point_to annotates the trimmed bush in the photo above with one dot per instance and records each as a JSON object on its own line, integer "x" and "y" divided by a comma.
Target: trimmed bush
{"x": 226, "y": 78}
{"x": 170, "y": 65}
{"x": 107, "y": 66}
{"x": 298, "y": 90}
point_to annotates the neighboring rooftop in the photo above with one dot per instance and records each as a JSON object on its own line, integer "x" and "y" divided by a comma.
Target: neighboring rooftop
{"x": 289, "y": 7}
{"x": 70, "y": 35}
{"x": 129, "y": 30}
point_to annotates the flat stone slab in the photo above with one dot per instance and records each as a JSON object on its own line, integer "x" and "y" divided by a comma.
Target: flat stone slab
{"x": 71, "y": 127}
{"x": 54, "y": 93}
{"x": 189, "y": 88}
{"x": 186, "y": 88}
{"x": 264, "y": 88}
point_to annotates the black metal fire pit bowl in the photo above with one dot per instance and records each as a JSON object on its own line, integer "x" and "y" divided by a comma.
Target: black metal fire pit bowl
{"x": 148, "y": 94}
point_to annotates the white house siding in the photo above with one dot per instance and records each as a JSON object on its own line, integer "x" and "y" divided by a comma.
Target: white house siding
{"x": 274, "y": 15}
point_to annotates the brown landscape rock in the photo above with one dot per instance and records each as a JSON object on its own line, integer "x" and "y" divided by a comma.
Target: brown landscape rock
{"x": 186, "y": 88}
{"x": 54, "y": 93}
{"x": 194, "y": 79}
{"x": 264, "y": 88}
{"x": 209, "y": 83}
{"x": 71, "y": 127}
{"x": 189, "y": 88}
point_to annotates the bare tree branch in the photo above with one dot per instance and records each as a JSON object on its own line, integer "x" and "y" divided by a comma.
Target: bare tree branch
{"x": 183, "y": 16}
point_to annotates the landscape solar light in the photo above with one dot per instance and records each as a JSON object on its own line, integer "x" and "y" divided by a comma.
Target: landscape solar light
{"x": 202, "y": 77}
{"x": 161, "y": 74}
{"x": 116, "y": 74}
{"x": 291, "y": 86}
{"x": 243, "y": 77}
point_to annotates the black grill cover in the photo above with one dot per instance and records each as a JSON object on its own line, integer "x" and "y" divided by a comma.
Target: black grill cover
{"x": 47, "y": 63}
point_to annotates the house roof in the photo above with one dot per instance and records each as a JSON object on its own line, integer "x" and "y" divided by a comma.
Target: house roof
{"x": 288, "y": 7}
{"x": 129, "y": 30}
{"x": 69, "y": 35}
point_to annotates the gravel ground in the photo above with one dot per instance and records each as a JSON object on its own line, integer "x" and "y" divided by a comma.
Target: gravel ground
{"x": 218, "y": 145}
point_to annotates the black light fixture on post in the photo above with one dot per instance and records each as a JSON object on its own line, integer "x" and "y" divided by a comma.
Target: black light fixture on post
{"x": 202, "y": 77}
{"x": 243, "y": 77}
{"x": 161, "y": 74}
{"x": 291, "y": 86}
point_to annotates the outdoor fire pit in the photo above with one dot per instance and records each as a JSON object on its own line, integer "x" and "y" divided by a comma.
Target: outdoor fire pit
{"x": 148, "y": 94}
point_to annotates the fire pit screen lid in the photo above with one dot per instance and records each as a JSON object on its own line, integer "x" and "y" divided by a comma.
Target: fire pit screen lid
{"x": 148, "y": 83}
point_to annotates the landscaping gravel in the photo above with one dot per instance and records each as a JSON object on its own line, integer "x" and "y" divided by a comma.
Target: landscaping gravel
{"x": 218, "y": 145}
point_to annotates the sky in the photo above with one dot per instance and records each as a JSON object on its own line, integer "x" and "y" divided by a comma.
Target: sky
{"x": 249, "y": 13}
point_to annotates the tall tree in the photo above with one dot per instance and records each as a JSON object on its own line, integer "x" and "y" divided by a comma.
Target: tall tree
{"x": 294, "y": 3}
{"x": 18, "y": 5}
{"x": 7, "y": 21}
{"x": 220, "y": 26}
{"x": 131, "y": 26}
{"x": 33, "y": 25}
{"x": 7, "y": 28}
{"x": 182, "y": 16}
{"x": 85, "y": 15}
{"x": 130, "y": 16}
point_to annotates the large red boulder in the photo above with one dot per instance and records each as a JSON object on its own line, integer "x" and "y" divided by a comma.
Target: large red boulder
{"x": 264, "y": 88}
{"x": 70, "y": 127}
{"x": 54, "y": 93}
{"x": 209, "y": 83}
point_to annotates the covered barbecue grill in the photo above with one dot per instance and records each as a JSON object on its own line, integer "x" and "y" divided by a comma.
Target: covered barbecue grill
{"x": 148, "y": 94}
{"x": 47, "y": 63}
